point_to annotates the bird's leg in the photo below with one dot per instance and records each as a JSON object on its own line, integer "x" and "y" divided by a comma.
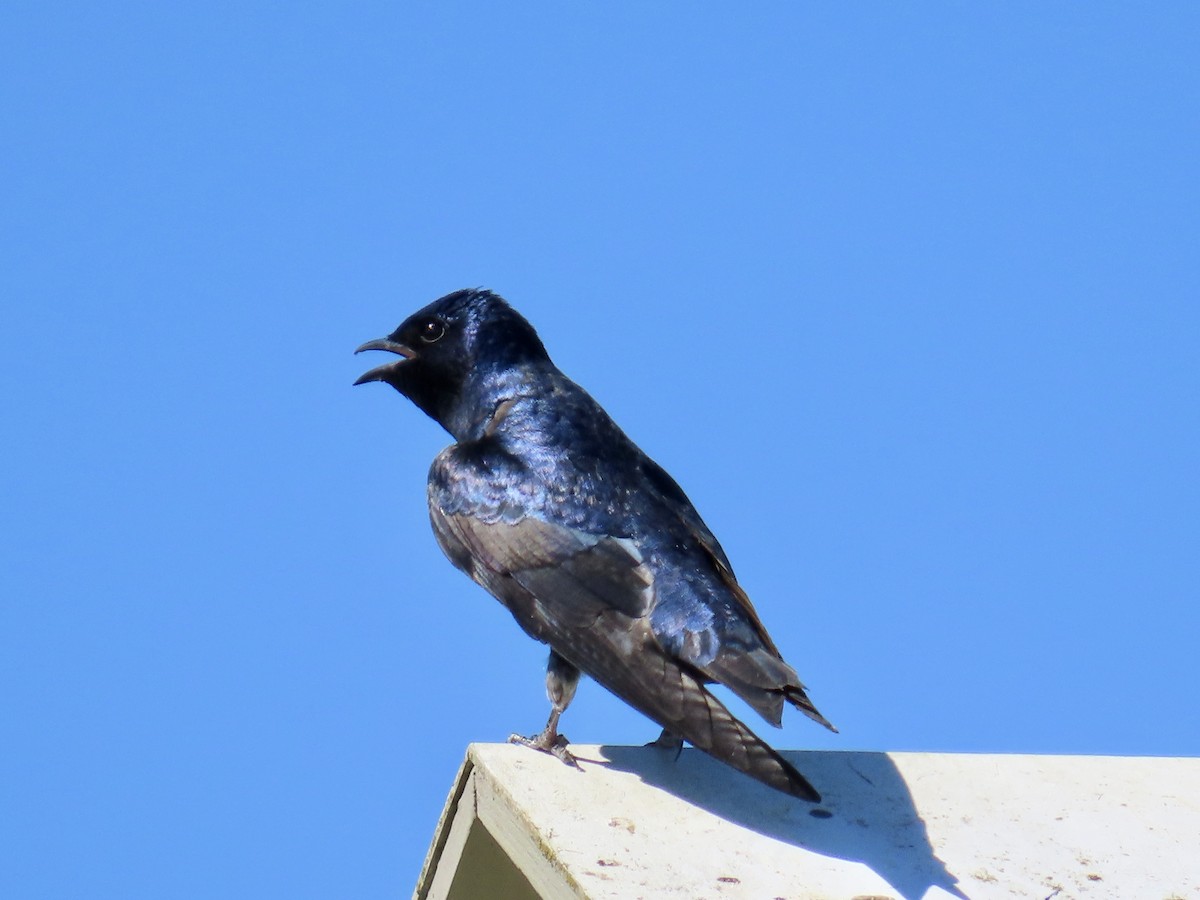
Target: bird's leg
{"x": 562, "y": 679}
{"x": 668, "y": 741}
{"x": 548, "y": 741}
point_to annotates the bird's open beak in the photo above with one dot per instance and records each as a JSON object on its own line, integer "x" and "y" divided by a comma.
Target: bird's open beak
{"x": 380, "y": 373}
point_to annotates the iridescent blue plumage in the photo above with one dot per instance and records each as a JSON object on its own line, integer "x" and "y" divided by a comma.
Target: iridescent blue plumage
{"x": 591, "y": 546}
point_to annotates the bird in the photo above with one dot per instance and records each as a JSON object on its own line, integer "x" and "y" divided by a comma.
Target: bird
{"x": 591, "y": 546}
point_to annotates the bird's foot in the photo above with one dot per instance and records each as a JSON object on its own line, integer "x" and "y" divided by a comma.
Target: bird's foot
{"x": 668, "y": 741}
{"x": 548, "y": 742}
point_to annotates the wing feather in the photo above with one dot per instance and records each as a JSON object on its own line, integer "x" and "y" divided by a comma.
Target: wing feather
{"x": 588, "y": 597}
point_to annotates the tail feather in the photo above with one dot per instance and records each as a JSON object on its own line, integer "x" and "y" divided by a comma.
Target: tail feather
{"x": 799, "y": 699}
{"x": 764, "y": 681}
{"x": 675, "y": 697}
{"x": 707, "y": 724}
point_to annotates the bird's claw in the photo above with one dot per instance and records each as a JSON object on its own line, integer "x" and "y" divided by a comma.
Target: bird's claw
{"x": 552, "y": 743}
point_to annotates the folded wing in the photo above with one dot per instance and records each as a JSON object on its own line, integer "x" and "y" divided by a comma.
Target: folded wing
{"x": 589, "y": 597}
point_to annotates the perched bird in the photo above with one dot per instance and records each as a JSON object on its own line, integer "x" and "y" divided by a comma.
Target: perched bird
{"x": 593, "y": 548}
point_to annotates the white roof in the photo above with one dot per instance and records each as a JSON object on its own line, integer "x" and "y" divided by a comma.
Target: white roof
{"x": 638, "y": 823}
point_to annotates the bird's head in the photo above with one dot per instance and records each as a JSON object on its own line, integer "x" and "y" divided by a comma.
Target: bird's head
{"x": 454, "y": 353}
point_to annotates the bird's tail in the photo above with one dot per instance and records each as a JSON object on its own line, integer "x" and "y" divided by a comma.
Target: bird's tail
{"x": 763, "y": 680}
{"x": 624, "y": 656}
{"x": 681, "y": 703}
{"x": 708, "y": 725}
{"x": 799, "y": 699}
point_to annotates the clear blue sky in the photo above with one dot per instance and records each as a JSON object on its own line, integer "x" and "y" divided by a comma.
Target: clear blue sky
{"x": 907, "y": 300}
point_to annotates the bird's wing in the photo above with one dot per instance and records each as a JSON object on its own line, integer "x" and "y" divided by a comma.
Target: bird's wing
{"x": 668, "y": 488}
{"x": 756, "y": 674}
{"x": 587, "y": 596}
{"x": 683, "y": 509}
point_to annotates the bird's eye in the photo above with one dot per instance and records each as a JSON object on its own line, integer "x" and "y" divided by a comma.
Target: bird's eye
{"x": 432, "y": 331}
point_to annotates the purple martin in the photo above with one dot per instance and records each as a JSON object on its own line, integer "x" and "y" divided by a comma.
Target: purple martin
{"x": 590, "y": 544}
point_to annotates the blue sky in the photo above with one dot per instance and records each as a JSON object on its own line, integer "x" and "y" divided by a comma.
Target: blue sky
{"x": 905, "y": 298}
